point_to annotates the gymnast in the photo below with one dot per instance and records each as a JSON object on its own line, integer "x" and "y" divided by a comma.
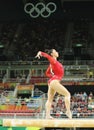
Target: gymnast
{"x": 55, "y": 73}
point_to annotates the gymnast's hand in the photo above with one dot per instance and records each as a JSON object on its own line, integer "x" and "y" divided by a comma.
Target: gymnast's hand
{"x": 38, "y": 55}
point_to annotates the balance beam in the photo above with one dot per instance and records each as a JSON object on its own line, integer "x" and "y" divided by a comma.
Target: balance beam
{"x": 42, "y": 123}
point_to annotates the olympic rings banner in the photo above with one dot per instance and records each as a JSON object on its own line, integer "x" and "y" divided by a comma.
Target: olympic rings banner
{"x": 40, "y": 9}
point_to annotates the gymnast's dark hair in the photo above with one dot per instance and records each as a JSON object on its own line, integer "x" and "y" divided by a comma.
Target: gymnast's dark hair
{"x": 48, "y": 51}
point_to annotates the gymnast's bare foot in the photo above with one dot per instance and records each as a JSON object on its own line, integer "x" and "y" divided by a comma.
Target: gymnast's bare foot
{"x": 69, "y": 114}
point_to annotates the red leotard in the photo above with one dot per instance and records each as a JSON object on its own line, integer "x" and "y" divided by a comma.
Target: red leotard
{"x": 55, "y": 69}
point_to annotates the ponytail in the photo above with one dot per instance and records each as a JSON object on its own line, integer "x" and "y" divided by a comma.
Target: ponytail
{"x": 49, "y": 51}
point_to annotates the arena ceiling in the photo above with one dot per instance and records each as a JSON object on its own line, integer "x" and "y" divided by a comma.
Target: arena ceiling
{"x": 14, "y": 9}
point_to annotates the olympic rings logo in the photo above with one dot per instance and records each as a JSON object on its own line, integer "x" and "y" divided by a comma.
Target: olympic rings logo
{"x": 40, "y": 9}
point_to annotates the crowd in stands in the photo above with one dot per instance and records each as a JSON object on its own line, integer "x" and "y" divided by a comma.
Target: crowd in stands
{"x": 82, "y": 105}
{"x": 27, "y": 38}
{"x": 22, "y": 41}
{"x": 7, "y": 33}
{"x": 80, "y": 33}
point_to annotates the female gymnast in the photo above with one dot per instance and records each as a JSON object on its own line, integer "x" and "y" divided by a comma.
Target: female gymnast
{"x": 55, "y": 72}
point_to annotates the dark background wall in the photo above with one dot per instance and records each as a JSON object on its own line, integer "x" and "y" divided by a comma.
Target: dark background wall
{"x": 11, "y": 10}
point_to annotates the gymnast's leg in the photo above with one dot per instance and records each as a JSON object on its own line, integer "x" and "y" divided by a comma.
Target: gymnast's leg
{"x": 59, "y": 88}
{"x": 51, "y": 93}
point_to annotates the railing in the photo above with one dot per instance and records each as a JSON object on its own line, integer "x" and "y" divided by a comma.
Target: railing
{"x": 45, "y": 62}
{"x": 42, "y": 115}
